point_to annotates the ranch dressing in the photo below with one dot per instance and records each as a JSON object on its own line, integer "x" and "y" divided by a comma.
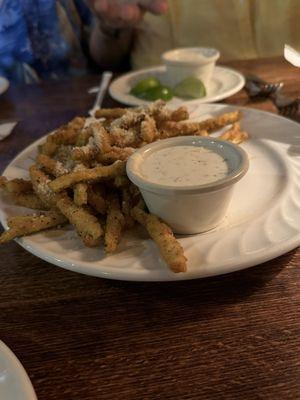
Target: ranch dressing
{"x": 184, "y": 166}
{"x": 189, "y": 56}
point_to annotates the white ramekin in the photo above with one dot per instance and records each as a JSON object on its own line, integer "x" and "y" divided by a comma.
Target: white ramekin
{"x": 179, "y": 65}
{"x": 189, "y": 209}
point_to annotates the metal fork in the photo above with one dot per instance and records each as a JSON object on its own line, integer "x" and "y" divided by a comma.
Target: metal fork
{"x": 287, "y": 106}
{"x": 257, "y": 87}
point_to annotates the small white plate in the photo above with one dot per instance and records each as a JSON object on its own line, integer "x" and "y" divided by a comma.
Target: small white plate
{"x": 4, "y": 84}
{"x": 14, "y": 382}
{"x": 262, "y": 221}
{"x": 224, "y": 83}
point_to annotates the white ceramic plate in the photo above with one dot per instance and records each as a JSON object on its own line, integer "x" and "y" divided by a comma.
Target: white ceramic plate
{"x": 4, "y": 84}
{"x": 14, "y": 382}
{"x": 263, "y": 220}
{"x": 224, "y": 83}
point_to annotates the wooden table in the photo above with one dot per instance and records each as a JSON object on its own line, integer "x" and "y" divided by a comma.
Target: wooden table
{"x": 84, "y": 338}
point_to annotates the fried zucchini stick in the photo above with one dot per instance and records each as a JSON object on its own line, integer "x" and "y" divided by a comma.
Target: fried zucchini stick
{"x": 83, "y": 136}
{"x": 80, "y": 189}
{"x": 115, "y": 222}
{"x": 15, "y": 186}
{"x": 87, "y": 226}
{"x": 171, "y": 128}
{"x": 121, "y": 181}
{"x": 99, "y": 144}
{"x": 21, "y": 226}
{"x": 180, "y": 114}
{"x": 89, "y": 174}
{"x": 126, "y": 207}
{"x": 110, "y": 113}
{"x": 29, "y": 200}
{"x": 80, "y": 194}
{"x": 102, "y": 138}
{"x": 51, "y": 166}
{"x": 65, "y": 135}
{"x": 235, "y": 134}
{"x": 162, "y": 235}
{"x": 149, "y": 132}
{"x": 96, "y": 199}
{"x": 115, "y": 154}
{"x": 40, "y": 183}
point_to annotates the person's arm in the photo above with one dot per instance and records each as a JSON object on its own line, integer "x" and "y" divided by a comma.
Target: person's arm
{"x": 112, "y": 35}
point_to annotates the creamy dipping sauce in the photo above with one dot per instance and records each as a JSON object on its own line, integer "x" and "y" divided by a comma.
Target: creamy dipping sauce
{"x": 193, "y": 55}
{"x": 189, "y": 56}
{"x": 184, "y": 166}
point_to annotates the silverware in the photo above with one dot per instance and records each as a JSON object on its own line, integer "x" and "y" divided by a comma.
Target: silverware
{"x": 286, "y": 106}
{"x": 257, "y": 87}
{"x": 105, "y": 79}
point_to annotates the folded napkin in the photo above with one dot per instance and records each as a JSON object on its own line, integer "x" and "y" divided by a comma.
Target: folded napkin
{"x": 6, "y": 128}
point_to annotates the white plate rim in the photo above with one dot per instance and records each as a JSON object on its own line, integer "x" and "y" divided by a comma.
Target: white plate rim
{"x": 19, "y": 371}
{"x": 104, "y": 270}
{"x": 133, "y": 101}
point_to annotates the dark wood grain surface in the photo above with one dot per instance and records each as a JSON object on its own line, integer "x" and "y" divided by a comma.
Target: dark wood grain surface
{"x": 82, "y": 338}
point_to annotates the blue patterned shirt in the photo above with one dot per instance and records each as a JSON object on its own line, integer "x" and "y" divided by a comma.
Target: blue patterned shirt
{"x": 32, "y": 46}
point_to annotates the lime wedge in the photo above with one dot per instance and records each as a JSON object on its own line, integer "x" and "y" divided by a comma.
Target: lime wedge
{"x": 190, "y": 88}
{"x": 160, "y": 92}
{"x": 144, "y": 85}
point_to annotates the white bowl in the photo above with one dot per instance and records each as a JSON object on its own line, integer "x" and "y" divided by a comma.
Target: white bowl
{"x": 184, "y": 62}
{"x": 189, "y": 209}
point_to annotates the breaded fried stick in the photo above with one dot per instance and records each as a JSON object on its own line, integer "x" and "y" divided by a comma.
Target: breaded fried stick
{"x": 80, "y": 189}
{"x": 88, "y": 175}
{"x": 115, "y": 154}
{"x": 29, "y": 200}
{"x": 162, "y": 235}
{"x": 180, "y": 114}
{"x": 110, "y": 113}
{"x": 171, "y": 128}
{"x": 149, "y": 132}
{"x": 21, "y": 192}
{"x": 115, "y": 222}
{"x": 40, "y": 182}
{"x": 16, "y": 185}
{"x": 51, "y": 166}
{"x": 99, "y": 142}
{"x": 65, "y": 135}
{"x": 235, "y": 134}
{"x": 87, "y": 226}
{"x": 96, "y": 198}
{"x": 21, "y": 226}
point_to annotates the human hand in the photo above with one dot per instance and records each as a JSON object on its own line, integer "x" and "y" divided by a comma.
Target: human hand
{"x": 126, "y": 13}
